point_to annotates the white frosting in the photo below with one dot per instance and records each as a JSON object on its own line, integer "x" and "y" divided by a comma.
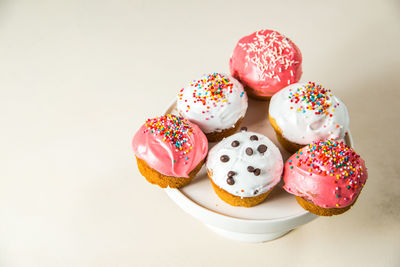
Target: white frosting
{"x": 246, "y": 184}
{"x": 222, "y": 112}
{"x": 301, "y": 125}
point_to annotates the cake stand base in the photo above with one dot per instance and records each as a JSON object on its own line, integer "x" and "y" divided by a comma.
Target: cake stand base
{"x": 248, "y": 238}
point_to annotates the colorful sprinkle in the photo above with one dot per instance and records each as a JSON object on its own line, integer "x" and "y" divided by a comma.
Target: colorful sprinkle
{"x": 313, "y": 97}
{"x": 333, "y": 158}
{"x": 174, "y": 130}
{"x": 210, "y": 90}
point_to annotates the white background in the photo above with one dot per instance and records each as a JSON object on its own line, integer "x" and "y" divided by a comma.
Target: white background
{"x": 77, "y": 78}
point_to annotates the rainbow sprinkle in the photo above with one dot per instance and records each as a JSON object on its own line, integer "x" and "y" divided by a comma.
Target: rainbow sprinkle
{"x": 333, "y": 158}
{"x": 333, "y": 155}
{"x": 209, "y": 91}
{"x": 313, "y": 97}
{"x": 175, "y": 130}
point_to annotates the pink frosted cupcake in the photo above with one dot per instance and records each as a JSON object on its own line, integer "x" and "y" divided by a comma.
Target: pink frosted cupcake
{"x": 265, "y": 62}
{"x": 326, "y": 177}
{"x": 169, "y": 150}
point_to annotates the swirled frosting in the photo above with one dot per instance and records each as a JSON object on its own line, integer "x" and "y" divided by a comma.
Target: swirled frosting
{"x": 266, "y": 61}
{"x": 245, "y": 164}
{"x": 328, "y": 173}
{"x": 214, "y": 102}
{"x": 171, "y": 145}
{"x": 307, "y": 112}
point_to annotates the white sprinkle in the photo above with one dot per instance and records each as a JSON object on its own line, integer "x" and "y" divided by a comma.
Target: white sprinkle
{"x": 268, "y": 51}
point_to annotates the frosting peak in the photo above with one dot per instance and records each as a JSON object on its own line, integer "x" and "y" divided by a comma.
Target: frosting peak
{"x": 212, "y": 88}
{"x": 307, "y": 112}
{"x": 215, "y": 102}
{"x": 313, "y": 97}
{"x": 172, "y": 129}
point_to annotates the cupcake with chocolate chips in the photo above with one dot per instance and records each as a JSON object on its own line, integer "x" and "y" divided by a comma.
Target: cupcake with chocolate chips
{"x": 244, "y": 168}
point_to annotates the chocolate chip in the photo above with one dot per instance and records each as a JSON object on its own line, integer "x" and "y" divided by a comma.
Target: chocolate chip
{"x": 253, "y": 138}
{"x": 243, "y": 129}
{"x": 249, "y": 151}
{"x": 230, "y": 181}
{"x": 224, "y": 158}
{"x": 235, "y": 143}
{"x": 231, "y": 173}
{"x": 250, "y": 169}
{"x": 257, "y": 172}
{"x": 262, "y": 148}
{"x": 256, "y": 192}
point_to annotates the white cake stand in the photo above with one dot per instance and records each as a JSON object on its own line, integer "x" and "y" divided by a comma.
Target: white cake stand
{"x": 275, "y": 217}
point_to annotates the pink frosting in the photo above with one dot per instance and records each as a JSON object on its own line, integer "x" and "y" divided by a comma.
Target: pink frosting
{"x": 171, "y": 145}
{"x": 328, "y": 173}
{"x": 266, "y": 61}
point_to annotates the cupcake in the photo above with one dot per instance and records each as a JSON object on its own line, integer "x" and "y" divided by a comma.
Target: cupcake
{"x": 326, "y": 177}
{"x": 265, "y": 62}
{"x": 169, "y": 150}
{"x": 244, "y": 168}
{"x": 216, "y": 102}
{"x": 303, "y": 113}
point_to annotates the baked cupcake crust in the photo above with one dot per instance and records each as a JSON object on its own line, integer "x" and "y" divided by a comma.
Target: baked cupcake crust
{"x": 314, "y": 209}
{"x": 287, "y": 145}
{"x": 238, "y": 201}
{"x": 252, "y": 93}
{"x": 163, "y": 181}
{"x": 218, "y": 136}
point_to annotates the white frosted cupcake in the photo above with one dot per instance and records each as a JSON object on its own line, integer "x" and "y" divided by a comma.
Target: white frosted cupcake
{"x": 216, "y": 102}
{"x": 244, "y": 168}
{"x": 302, "y": 113}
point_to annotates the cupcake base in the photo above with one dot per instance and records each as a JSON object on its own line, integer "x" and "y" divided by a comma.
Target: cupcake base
{"x": 287, "y": 145}
{"x": 163, "y": 181}
{"x": 239, "y": 201}
{"x": 218, "y": 136}
{"x": 251, "y": 92}
{"x": 311, "y": 207}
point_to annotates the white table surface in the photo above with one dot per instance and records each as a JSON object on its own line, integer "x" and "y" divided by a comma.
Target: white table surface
{"x": 77, "y": 78}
